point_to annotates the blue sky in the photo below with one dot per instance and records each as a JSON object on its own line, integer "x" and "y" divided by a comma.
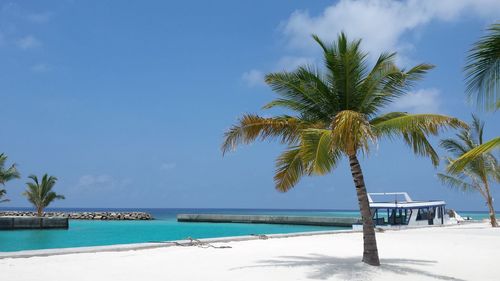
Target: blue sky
{"x": 127, "y": 102}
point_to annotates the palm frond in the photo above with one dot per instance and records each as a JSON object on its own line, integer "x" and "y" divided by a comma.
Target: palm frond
{"x": 387, "y": 82}
{"x": 454, "y": 147}
{"x": 351, "y": 132}
{"x": 319, "y": 151}
{"x": 457, "y": 183}
{"x": 460, "y": 163}
{"x": 482, "y": 70}
{"x": 371, "y": 88}
{"x": 347, "y": 66}
{"x": 9, "y": 173}
{"x": 477, "y": 127}
{"x": 385, "y": 117}
{"x": 290, "y": 167}
{"x": 416, "y": 73}
{"x": 250, "y": 127}
{"x": 414, "y": 129}
{"x": 304, "y": 90}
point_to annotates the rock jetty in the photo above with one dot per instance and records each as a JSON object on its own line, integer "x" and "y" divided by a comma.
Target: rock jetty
{"x": 84, "y": 215}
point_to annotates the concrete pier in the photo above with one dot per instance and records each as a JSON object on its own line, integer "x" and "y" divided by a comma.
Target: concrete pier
{"x": 10, "y": 223}
{"x": 294, "y": 220}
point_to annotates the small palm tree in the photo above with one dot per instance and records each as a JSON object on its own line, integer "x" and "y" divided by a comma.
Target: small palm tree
{"x": 483, "y": 81}
{"x": 479, "y": 171}
{"x": 6, "y": 175}
{"x": 337, "y": 113}
{"x": 40, "y": 194}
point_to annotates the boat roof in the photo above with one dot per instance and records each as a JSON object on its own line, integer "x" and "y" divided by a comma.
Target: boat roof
{"x": 406, "y": 203}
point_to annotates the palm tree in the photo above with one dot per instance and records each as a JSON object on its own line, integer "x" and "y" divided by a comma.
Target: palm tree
{"x": 6, "y": 175}
{"x": 479, "y": 171}
{"x": 40, "y": 194}
{"x": 336, "y": 114}
{"x": 483, "y": 81}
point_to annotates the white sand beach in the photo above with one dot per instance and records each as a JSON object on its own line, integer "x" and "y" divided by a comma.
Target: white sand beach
{"x": 465, "y": 252}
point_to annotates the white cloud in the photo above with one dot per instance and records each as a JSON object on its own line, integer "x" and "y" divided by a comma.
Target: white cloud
{"x": 380, "y": 23}
{"x": 28, "y": 42}
{"x": 421, "y": 101}
{"x": 87, "y": 180}
{"x": 290, "y": 63}
{"x": 167, "y": 166}
{"x": 253, "y": 78}
{"x": 100, "y": 182}
{"x": 41, "y": 68}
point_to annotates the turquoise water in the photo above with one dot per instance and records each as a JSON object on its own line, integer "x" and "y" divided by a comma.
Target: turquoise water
{"x": 163, "y": 228}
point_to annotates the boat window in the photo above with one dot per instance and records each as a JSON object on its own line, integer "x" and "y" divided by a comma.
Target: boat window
{"x": 432, "y": 213}
{"x": 408, "y": 215}
{"x": 404, "y": 215}
{"x": 392, "y": 216}
{"x": 381, "y": 216}
{"x": 423, "y": 214}
{"x": 440, "y": 212}
{"x": 397, "y": 216}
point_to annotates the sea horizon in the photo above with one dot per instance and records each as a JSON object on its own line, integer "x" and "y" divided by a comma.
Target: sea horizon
{"x": 49, "y": 209}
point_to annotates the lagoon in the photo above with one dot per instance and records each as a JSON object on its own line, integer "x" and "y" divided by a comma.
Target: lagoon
{"x": 164, "y": 228}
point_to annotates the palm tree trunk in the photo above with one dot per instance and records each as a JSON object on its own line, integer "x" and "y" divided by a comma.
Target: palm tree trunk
{"x": 489, "y": 202}
{"x": 370, "y": 252}
{"x": 39, "y": 211}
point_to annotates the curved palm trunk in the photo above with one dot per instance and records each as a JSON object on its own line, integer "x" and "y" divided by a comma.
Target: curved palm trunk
{"x": 489, "y": 202}
{"x": 370, "y": 252}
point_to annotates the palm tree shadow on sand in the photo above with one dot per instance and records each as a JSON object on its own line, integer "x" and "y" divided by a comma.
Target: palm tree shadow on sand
{"x": 324, "y": 267}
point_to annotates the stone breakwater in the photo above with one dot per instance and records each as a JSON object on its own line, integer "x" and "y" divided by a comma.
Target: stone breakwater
{"x": 84, "y": 215}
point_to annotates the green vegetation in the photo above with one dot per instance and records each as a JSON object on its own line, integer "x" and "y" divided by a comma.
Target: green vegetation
{"x": 478, "y": 173}
{"x": 483, "y": 70}
{"x": 40, "y": 194}
{"x": 337, "y": 114}
{"x": 6, "y": 175}
{"x": 483, "y": 82}
{"x": 460, "y": 163}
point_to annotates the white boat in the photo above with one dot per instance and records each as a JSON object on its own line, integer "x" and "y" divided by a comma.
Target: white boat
{"x": 406, "y": 212}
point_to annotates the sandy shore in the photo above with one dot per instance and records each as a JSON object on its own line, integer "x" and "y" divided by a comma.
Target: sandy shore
{"x": 466, "y": 252}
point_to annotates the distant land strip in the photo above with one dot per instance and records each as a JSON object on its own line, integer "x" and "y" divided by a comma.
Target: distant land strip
{"x": 268, "y": 219}
{"x": 83, "y": 215}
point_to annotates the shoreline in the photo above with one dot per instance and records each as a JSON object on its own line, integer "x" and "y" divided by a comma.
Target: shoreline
{"x": 159, "y": 244}
{"x": 186, "y": 242}
{"x": 430, "y": 253}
